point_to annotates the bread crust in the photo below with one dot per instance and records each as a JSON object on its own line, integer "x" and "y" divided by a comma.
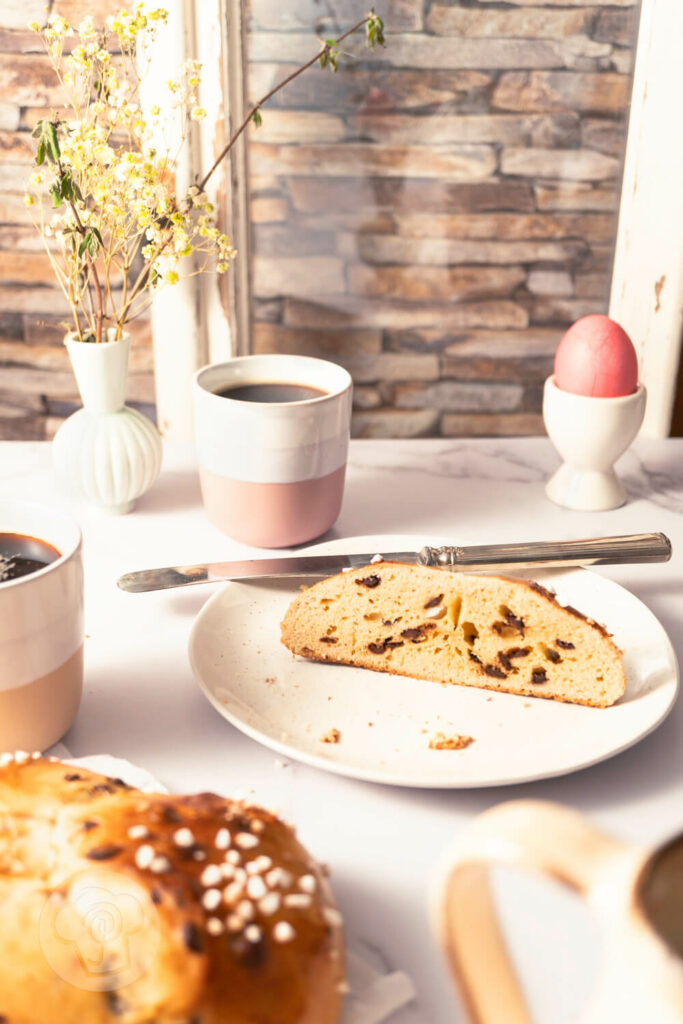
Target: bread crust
{"x": 275, "y": 955}
{"x": 479, "y": 660}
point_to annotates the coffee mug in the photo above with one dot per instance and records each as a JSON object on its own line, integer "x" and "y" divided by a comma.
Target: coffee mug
{"x": 41, "y": 633}
{"x": 636, "y": 895}
{"x": 272, "y": 458}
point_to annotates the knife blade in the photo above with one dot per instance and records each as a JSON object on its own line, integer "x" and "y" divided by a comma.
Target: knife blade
{"x": 643, "y": 547}
{"x": 256, "y": 568}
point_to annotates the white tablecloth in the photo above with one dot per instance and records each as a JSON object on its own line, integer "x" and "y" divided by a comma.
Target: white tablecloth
{"x": 141, "y": 701}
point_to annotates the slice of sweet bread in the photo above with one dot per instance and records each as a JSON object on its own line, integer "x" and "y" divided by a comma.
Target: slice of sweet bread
{"x": 488, "y": 631}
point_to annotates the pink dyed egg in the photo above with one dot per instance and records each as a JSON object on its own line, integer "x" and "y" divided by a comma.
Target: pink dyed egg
{"x": 596, "y": 357}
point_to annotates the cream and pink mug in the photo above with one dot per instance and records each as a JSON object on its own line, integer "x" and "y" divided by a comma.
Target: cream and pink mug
{"x": 41, "y": 625}
{"x": 636, "y": 895}
{"x": 272, "y": 437}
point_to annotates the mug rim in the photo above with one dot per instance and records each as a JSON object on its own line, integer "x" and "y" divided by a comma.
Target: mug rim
{"x": 72, "y": 549}
{"x": 286, "y": 357}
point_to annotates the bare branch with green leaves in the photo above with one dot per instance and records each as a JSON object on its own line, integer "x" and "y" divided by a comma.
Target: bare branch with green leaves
{"x": 116, "y": 229}
{"x": 328, "y": 56}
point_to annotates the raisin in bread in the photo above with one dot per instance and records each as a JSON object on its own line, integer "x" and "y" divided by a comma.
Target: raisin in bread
{"x": 121, "y": 907}
{"x": 501, "y": 634}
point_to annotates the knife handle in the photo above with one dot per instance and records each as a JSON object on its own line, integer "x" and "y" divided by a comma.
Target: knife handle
{"x": 639, "y": 547}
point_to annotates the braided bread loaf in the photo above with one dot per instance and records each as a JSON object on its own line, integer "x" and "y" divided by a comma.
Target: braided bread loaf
{"x": 120, "y": 907}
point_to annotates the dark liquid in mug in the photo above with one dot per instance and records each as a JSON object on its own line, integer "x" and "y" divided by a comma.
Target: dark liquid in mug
{"x": 21, "y": 555}
{"x": 270, "y": 392}
{"x": 660, "y": 894}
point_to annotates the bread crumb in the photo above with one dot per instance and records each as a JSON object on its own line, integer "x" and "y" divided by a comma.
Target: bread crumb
{"x": 331, "y": 736}
{"x": 440, "y": 741}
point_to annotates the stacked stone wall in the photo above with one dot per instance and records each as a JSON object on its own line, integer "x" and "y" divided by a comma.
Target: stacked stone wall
{"x": 436, "y": 214}
{"x": 432, "y": 217}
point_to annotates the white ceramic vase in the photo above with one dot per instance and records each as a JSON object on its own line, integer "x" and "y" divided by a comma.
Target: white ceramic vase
{"x": 106, "y": 452}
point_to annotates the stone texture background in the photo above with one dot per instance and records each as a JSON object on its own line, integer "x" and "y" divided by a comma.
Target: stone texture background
{"x": 37, "y": 387}
{"x": 432, "y": 216}
{"x": 435, "y": 215}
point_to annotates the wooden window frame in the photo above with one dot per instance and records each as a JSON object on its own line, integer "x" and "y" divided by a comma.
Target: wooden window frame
{"x": 647, "y": 279}
{"x": 208, "y": 317}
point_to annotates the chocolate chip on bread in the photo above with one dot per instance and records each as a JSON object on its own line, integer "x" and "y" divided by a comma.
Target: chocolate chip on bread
{"x": 121, "y": 907}
{"x": 497, "y": 633}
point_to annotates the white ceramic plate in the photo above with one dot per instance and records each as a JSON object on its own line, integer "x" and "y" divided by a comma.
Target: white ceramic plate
{"x": 288, "y": 703}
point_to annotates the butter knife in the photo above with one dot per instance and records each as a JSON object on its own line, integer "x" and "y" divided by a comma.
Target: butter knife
{"x": 639, "y": 547}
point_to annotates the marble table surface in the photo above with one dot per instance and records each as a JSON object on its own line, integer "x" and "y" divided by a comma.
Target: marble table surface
{"x": 141, "y": 701}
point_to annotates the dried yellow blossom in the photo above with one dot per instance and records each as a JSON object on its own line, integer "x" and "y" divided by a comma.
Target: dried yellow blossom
{"x": 107, "y": 176}
{"x": 58, "y": 27}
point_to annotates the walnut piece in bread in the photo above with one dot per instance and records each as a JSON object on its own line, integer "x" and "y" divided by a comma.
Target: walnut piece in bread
{"x": 121, "y": 907}
{"x": 489, "y": 631}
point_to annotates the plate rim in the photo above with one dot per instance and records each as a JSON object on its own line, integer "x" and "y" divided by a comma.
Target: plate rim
{"x": 368, "y": 775}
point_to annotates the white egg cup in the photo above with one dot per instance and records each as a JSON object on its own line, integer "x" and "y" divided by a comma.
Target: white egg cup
{"x": 590, "y": 434}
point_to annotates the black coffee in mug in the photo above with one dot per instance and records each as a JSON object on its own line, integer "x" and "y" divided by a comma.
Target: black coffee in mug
{"x": 21, "y": 555}
{"x": 270, "y": 392}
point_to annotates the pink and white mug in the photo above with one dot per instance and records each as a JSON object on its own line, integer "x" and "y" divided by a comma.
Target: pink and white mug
{"x": 272, "y": 436}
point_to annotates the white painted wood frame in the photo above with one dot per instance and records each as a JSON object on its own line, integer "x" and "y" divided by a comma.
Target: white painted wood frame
{"x": 647, "y": 281}
{"x": 191, "y": 321}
